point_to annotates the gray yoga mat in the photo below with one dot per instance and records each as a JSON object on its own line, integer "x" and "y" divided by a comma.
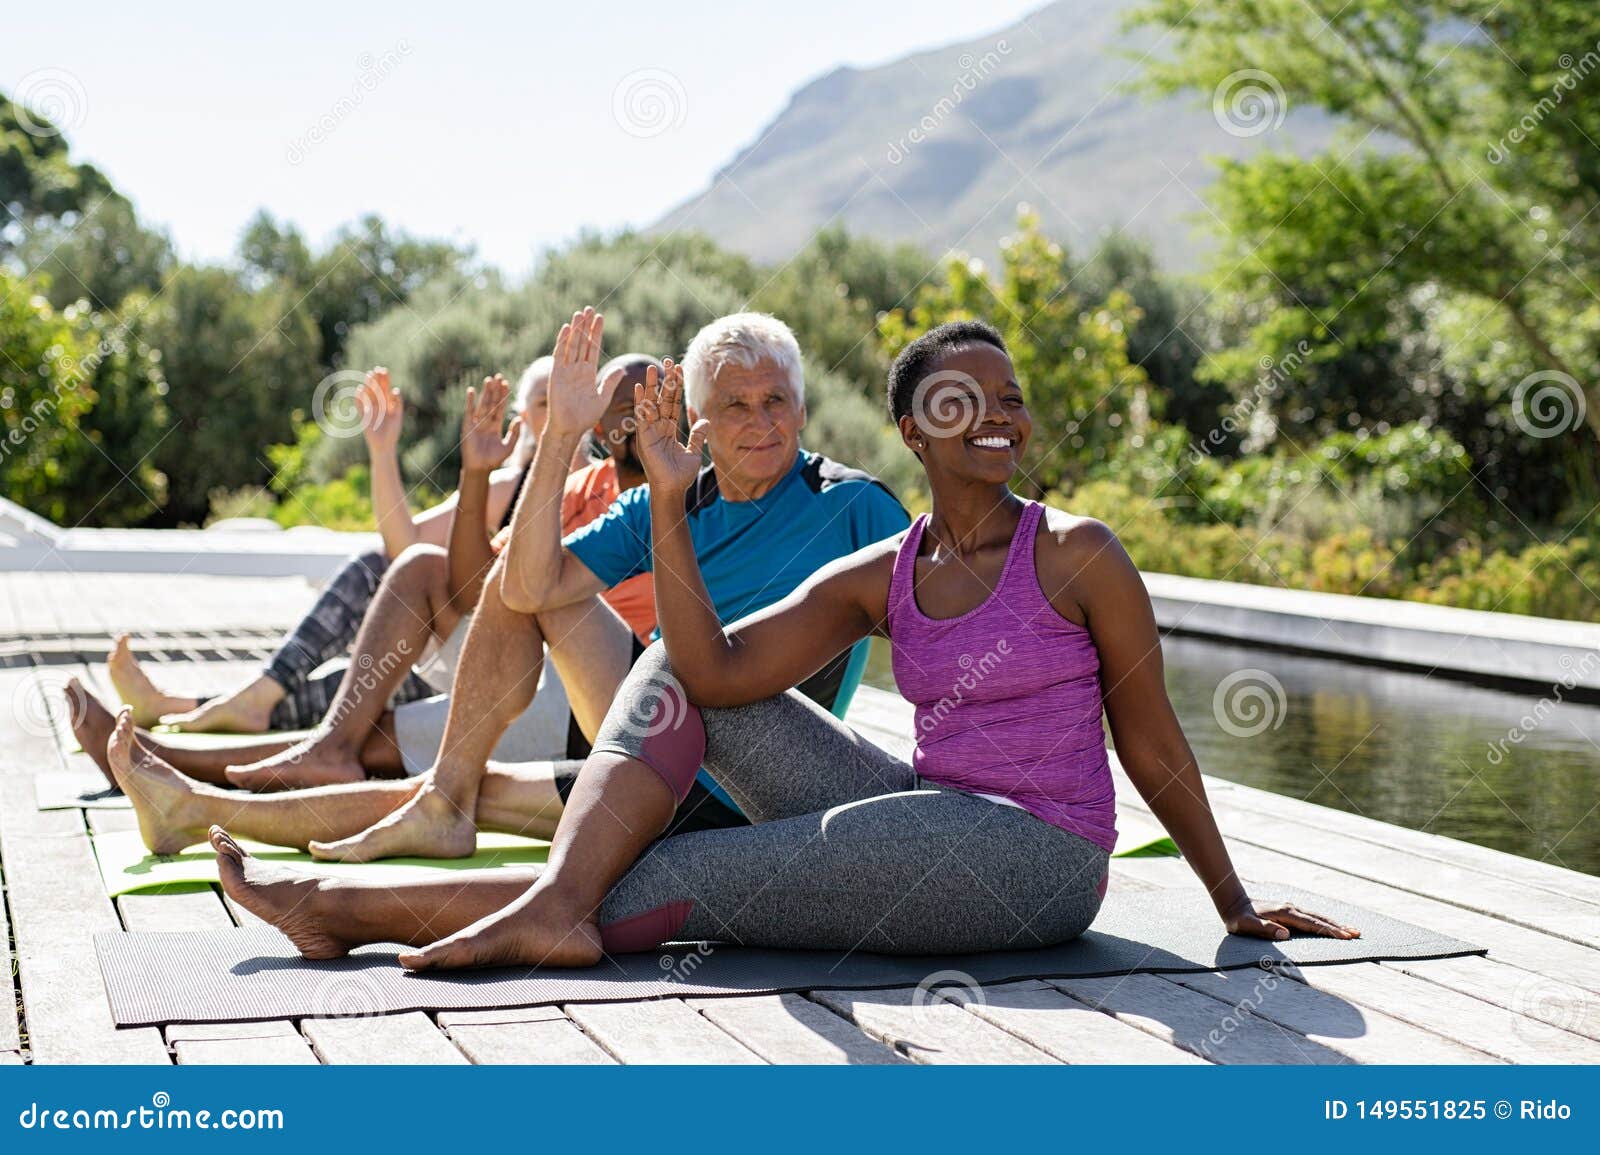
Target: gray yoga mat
{"x": 243, "y": 974}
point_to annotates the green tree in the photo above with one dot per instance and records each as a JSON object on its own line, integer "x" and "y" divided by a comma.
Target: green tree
{"x": 1470, "y": 197}
{"x": 237, "y": 363}
{"x": 1070, "y": 352}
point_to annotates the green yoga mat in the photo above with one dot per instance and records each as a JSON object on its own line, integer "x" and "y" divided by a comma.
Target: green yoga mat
{"x": 128, "y": 868}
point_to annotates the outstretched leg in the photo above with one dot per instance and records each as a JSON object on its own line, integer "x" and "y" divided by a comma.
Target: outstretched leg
{"x": 92, "y": 724}
{"x": 412, "y": 606}
{"x": 326, "y": 917}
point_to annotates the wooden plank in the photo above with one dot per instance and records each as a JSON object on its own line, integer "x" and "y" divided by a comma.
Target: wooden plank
{"x": 377, "y": 1040}
{"x": 790, "y": 1028}
{"x": 1494, "y": 1030}
{"x": 1529, "y": 949}
{"x": 111, "y": 821}
{"x": 273, "y": 1051}
{"x": 1364, "y": 1035}
{"x": 69, "y": 1020}
{"x": 1069, "y": 1030}
{"x": 541, "y": 1035}
{"x": 1195, "y": 1022}
{"x": 1542, "y": 910}
{"x": 928, "y": 1028}
{"x": 658, "y": 1031}
{"x": 199, "y": 910}
{"x": 1422, "y": 843}
{"x": 10, "y": 1028}
{"x": 1538, "y": 996}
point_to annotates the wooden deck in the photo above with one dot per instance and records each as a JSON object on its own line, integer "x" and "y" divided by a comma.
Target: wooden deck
{"x": 1535, "y": 998}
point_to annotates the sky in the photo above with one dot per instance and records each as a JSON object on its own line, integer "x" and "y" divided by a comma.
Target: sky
{"x": 509, "y": 127}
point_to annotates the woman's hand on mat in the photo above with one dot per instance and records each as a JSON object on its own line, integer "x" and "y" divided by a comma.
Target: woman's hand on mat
{"x": 381, "y": 411}
{"x": 485, "y": 441}
{"x": 1275, "y": 920}
{"x": 578, "y": 398}
{"x": 669, "y": 464}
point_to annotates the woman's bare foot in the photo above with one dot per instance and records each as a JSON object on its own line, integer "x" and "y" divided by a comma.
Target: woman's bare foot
{"x": 136, "y": 689}
{"x": 245, "y": 711}
{"x": 289, "y": 900}
{"x": 92, "y": 724}
{"x": 320, "y": 760}
{"x": 163, "y": 800}
{"x": 532, "y": 931}
{"x": 428, "y": 826}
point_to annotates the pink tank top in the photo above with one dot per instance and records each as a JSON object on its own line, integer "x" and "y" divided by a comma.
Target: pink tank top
{"x": 1007, "y": 695}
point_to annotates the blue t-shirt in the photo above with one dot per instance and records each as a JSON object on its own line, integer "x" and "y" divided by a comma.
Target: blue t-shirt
{"x": 751, "y": 553}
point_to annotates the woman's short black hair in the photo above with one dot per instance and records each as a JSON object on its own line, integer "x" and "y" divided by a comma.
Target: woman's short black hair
{"x": 915, "y": 360}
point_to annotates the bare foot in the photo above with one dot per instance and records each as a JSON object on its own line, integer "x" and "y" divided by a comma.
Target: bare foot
{"x": 136, "y": 689}
{"x": 532, "y": 931}
{"x": 284, "y": 897}
{"x": 92, "y": 724}
{"x": 163, "y": 799}
{"x": 320, "y": 760}
{"x": 245, "y": 711}
{"x": 427, "y": 826}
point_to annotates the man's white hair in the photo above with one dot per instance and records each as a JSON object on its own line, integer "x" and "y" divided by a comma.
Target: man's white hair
{"x": 746, "y": 340}
{"x": 540, "y": 368}
{"x": 525, "y": 440}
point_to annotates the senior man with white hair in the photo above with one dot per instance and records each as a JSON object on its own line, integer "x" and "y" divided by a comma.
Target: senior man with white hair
{"x": 764, "y": 515}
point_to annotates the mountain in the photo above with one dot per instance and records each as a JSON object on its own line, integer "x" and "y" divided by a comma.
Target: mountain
{"x": 940, "y": 147}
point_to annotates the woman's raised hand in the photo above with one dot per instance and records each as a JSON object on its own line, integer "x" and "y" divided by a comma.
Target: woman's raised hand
{"x": 485, "y": 441}
{"x": 577, "y": 396}
{"x": 1274, "y": 920}
{"x": 381, "y": 410}
{"x": 668, "y": 463}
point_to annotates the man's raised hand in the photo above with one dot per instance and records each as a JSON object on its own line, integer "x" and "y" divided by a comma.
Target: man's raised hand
{"x": 577, "y": 396}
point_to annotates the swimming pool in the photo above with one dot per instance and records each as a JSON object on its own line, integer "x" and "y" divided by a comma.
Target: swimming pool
{"x": 1488, "y": 766}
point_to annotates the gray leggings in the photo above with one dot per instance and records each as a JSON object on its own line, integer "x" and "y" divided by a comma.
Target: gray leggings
{"x": 326, "y": 632}
{"x": 849, "y": 848}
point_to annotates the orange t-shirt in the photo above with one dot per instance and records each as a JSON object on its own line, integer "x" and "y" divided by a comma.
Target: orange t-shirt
{"x": 587, "y": 494}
